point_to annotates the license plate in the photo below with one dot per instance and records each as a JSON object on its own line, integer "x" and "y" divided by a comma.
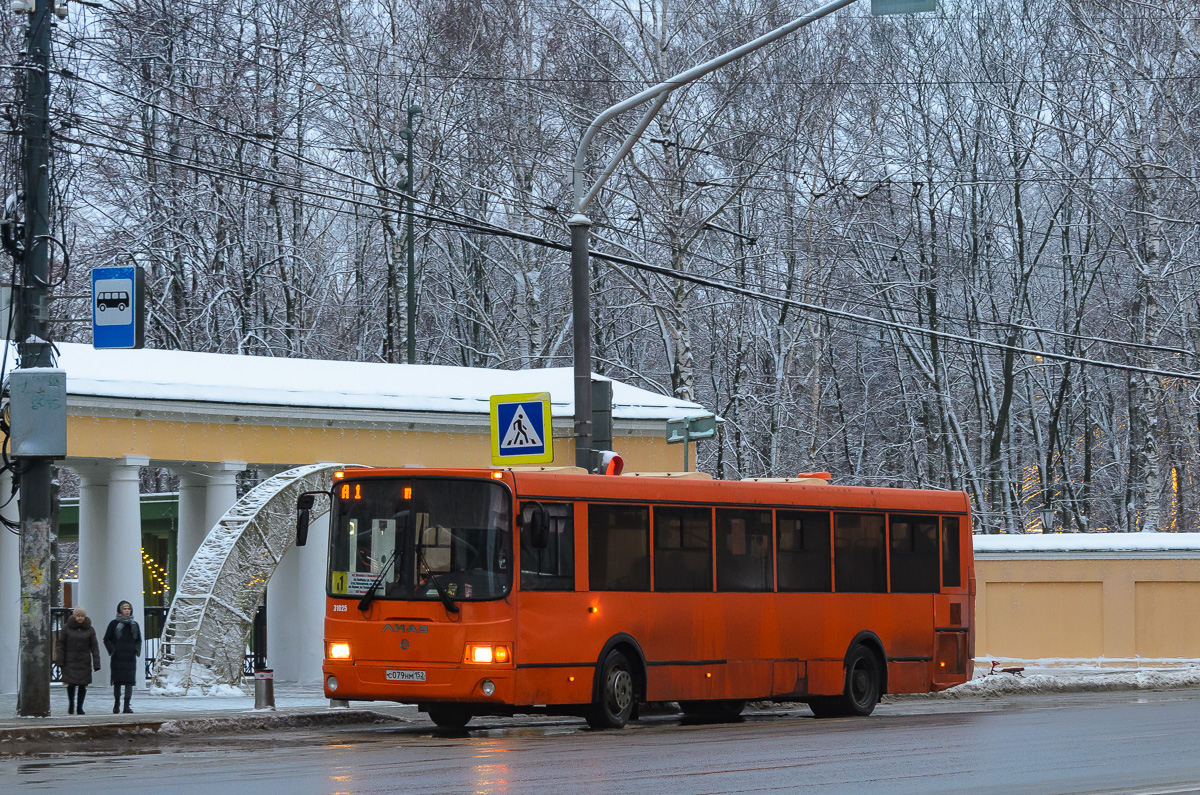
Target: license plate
{"x": 405, "y": 676}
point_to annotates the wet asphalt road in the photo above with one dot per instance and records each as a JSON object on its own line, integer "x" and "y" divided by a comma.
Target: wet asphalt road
{"x": 1095, "y": 743}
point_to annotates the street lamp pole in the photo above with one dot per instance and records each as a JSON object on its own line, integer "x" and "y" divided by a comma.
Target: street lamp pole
{"x": 580, "y": 224}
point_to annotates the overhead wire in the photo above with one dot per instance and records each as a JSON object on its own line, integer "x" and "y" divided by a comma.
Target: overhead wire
{"x": 467, "y": 222}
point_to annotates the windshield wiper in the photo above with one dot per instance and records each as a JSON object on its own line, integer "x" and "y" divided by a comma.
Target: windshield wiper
{"x": 369, "y": 596}
{"x": 451, "y": 607}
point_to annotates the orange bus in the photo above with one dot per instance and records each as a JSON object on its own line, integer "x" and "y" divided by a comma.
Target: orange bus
{"x": 499, "y": 591}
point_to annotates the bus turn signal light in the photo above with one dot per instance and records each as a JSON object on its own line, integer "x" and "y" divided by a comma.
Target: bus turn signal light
{"x": 339, "y": 650}
{"x": 486, "y": 653}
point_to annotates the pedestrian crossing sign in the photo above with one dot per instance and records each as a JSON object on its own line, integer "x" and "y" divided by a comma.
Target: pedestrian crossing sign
{"x": 521, "y": 430}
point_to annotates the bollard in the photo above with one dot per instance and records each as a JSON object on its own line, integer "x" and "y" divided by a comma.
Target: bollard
{"x": 264, "y": 688}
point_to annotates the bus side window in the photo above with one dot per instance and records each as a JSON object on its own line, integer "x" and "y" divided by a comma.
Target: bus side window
{"x": 683, "y": 549}
{"x": 951, "y": 559}
{"x": 619, "y": 547}
{"x": 859, "y": 562}
{"x": 553, "y": 567}
{"x": 744, "y": 558}
{"x": 804, "y": 552}
{"x": 914, "y": 554}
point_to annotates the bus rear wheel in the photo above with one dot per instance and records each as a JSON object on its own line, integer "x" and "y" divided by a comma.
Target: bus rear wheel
{"x": 450, "y": 716}
{"x": 863, "y": 681}
{"x": 861, "y": 693}
{"x": 615, "y": 696}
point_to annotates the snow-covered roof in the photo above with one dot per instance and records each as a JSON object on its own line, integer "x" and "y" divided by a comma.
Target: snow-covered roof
{"x": 259, "y": 380}
{"x": 1086, "y": 543}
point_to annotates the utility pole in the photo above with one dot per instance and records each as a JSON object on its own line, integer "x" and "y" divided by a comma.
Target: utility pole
{"x": 37, "y": 399}
{"x": 410, "y": 188}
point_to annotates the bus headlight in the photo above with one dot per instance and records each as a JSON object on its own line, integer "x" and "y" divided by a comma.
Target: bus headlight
{"x": 487, "y": 653}
{"x": 339, "y": 650}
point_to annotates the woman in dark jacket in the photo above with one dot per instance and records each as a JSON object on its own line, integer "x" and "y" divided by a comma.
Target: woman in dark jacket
{"x": 123, "y": 639}
{"x": 78, "y": 654}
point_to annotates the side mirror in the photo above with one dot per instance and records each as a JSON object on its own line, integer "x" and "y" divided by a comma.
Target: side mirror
{"x": 304, "y": 504}
{"x": 538, "y": 527}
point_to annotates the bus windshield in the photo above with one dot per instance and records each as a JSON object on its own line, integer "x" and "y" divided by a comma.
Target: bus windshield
{"x": 421, "y": 536}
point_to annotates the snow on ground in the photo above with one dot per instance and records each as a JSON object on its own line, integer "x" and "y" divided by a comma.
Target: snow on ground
{"x": 1034, "y": 679}
{"x": 223, "y": 698}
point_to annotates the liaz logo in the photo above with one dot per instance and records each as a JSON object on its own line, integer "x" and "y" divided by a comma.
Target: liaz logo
{"x": 407, "y": 628}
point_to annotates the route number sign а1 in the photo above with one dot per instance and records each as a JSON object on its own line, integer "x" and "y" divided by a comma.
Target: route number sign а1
{"x": 521, "y": 429}
{"x": 118, "y": 301}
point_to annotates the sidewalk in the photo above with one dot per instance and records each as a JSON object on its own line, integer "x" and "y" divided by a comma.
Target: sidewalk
{"x": 296, "y": 706}
{"x": 305, "y": 706}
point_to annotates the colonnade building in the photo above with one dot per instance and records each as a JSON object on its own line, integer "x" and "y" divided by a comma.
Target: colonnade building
{"x": 208, "y": 417}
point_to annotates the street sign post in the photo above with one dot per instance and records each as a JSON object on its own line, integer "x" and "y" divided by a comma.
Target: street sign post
{"x": 521, "y": 429}
{"x": 118, "y": 301}
{"x": 686, "y": 430}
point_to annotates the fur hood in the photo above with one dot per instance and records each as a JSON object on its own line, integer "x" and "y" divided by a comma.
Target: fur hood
{"x": 76, "y": 624}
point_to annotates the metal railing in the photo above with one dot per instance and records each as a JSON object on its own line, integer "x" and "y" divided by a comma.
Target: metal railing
{"x": 152, "y": 627}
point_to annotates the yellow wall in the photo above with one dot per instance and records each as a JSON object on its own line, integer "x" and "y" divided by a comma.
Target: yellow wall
{"x": 1111, "y": 610}
{"x": 283, "y": 444}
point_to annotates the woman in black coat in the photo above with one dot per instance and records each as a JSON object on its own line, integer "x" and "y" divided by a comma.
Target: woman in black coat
{"x": 78, "y": 654}
{"x": 123, "y": 639}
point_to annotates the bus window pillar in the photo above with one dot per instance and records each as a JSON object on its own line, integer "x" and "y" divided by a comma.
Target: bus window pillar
{"x": 10, "y": 592}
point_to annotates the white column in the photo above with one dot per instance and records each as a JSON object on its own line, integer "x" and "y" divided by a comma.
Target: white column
{"x": 296, "y": 609}
{"x": 93, "y": 551}
{"x": 284, "y": 617}
{"x": 221, "y": 493}
{"x": 10, "y": 592}
{"x": 125, "y": 544}
{"x": 206, "y": 492}
{"x": 192, "y": 527}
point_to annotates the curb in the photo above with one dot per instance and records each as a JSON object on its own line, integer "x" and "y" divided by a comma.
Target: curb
{"x": 174, "y": 727}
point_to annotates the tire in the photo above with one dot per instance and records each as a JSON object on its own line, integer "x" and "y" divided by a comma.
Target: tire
{"x": 120, "y": 307}
{"x": 101, "y": 307}
{"x": 615, "y": 695}
{"x": 864, "y": 679}
{"x": 715, "y": 711}
{"x": 450, "y": 716}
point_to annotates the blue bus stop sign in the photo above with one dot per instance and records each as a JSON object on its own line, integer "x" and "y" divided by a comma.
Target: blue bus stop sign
{"x": 118, "y": 299}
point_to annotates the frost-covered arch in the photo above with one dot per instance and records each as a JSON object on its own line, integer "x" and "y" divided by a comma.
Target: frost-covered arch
{"x": 204, "y": 640}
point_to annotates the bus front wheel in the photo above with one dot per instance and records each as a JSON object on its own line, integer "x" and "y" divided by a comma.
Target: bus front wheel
{"x": 615, "y": 696}
{"x": 449, "y": 716}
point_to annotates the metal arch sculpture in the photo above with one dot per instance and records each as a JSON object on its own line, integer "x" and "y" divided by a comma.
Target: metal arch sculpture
{"x": 208, "y": 625}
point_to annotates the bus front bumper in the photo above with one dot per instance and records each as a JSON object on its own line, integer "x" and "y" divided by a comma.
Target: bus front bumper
{"x": 417, "y": 682}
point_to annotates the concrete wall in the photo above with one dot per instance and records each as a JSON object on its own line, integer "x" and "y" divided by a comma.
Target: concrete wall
{"x": 1120, "y": 608}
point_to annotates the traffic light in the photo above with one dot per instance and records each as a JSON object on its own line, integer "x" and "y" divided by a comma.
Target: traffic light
{"x": 608, "y": 463}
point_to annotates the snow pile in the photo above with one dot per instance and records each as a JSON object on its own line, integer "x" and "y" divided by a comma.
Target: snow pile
{"x": 1034, "y": 681}
{"x": 174, "y": 689}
